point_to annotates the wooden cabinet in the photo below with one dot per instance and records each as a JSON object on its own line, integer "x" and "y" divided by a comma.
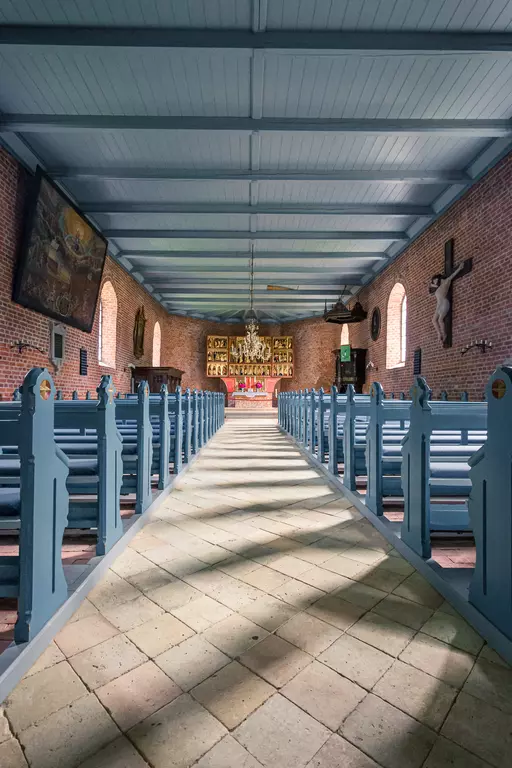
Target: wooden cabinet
{"x": 156, "y": 377}
{"x": 352, "y": 372}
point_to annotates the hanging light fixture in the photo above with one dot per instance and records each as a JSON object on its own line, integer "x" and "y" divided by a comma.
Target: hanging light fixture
{"x": 252, "y": 349}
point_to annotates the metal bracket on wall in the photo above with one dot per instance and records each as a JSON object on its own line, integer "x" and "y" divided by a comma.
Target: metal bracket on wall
{"x": 22, "y": 345}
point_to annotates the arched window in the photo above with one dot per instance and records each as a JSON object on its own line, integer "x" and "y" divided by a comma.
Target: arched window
{"x": 396, "y": 329}
{"x": 157, "y": 343}
{"x": 100, "y": 330}
{"x": 107, "y": 326}
{"x": 344, "y": 340}
{"x": 403, "y": 329}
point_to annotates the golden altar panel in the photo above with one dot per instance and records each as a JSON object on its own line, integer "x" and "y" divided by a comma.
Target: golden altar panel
{"x": 219, "y": 361}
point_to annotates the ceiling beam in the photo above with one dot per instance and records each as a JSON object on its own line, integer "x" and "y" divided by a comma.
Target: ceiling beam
{"x": 242, "y": 301}
{"x": 288, "y": 272}
{"x": 220, "y": 283}
{"x": 278, "y": 41}
{"x": 81, "y": 173}
{"x": 302, "y": 209}
{"x": 220, "y": 234}
{"x": 222, "y": 293}
{"x": 39, "y": 123}
{"x": 260, "y": 256}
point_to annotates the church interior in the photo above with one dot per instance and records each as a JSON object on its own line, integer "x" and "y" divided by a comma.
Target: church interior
{"x": 255, "y": 384}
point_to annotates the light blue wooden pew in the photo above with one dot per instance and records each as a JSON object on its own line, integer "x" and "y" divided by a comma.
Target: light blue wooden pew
{"x": 187, "y": 426}
{"x": 139, "y": 479}
{"x": 100, "y": 474}
{"x": 95, "y": 466}
{"x": 357, "y": 408}
{"x": 425, "y": 417}
{"x": 308, "y": 416}
{"x": 134, "y": 426}
{"x": 40, "y": 504}
{"x": 196, "y": 432}
{"x": 166, "y": 416}
{"x": 449, "y": 454}
{"x": 381, "y": 412}
{"x": 490, "y": 507}
{"x": 319, "y": 424}
{"x": 316, "y": 410}
{"x": 159, "y": 414}
{"x": 446, "y": 448}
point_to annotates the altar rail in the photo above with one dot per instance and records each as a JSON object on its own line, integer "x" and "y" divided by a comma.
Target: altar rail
{"x": 423, "y": 447}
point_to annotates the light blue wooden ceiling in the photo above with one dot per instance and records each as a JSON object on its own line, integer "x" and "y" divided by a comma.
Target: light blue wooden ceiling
{"x": 322, "y": 135}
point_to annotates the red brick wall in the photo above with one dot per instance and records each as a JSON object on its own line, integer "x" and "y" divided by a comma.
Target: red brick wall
{"x": 183, "y": 339}
{"x": 481, "y": 225}
{"x": 314, "y": 342}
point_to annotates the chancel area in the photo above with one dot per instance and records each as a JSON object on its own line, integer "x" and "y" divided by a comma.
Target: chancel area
{"x": 255, "y": 384}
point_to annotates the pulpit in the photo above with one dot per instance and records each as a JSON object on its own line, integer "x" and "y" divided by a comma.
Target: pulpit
{"x": 352, "y": 371}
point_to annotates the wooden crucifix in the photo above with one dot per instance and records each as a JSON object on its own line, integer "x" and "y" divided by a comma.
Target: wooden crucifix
{"x": 441, "y": 287}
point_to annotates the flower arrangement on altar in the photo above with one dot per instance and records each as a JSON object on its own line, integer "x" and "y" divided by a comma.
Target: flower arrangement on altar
{"x": 258, "y": 385}
{"x": 241, "y": 385}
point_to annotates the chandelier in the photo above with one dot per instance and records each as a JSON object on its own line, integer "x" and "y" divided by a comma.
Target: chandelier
{"x": 252, "y": 349}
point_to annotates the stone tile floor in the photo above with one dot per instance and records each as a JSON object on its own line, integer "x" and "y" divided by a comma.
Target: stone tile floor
{"x": 258, "y": 620}
{"x": 77, "y": 551}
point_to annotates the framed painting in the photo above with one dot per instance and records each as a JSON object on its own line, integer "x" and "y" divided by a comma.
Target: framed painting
{"x": 61, "y": 262}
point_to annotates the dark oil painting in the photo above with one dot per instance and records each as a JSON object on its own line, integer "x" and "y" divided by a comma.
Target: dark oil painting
{"x": 61, "y": 264}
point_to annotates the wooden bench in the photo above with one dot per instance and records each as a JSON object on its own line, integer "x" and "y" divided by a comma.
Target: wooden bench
{"x": 40, "y": 506}
{"x": 426, "y": 417}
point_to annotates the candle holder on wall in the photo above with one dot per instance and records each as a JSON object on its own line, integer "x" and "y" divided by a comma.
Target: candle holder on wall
{"x": 22, "y": 345}
{"x": 483, "y": 345}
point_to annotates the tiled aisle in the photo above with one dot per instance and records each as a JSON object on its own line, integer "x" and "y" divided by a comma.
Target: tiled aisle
{"x": 259, "y": 621}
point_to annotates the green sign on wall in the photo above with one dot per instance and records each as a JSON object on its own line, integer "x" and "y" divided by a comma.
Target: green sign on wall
{"x": 345, "y": 353}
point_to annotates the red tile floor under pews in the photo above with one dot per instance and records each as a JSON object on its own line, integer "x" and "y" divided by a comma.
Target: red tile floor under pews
{"x": 450, "y": 551}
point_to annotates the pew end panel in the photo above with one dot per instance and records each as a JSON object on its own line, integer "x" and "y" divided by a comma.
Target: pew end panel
{"x": 428, "y": 421}
{"x": 110, "y": 469}
{"x": 490, "y": 507}
{"x": 36, "y": 575}
{"x": 165, "y": 439}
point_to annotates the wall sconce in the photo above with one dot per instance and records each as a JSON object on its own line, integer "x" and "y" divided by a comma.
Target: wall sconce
{"x": 22, "y": 345}
{"x": 483, "y": 344}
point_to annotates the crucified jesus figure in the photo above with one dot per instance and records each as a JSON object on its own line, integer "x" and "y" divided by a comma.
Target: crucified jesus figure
{"x": 440, "y": 287}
